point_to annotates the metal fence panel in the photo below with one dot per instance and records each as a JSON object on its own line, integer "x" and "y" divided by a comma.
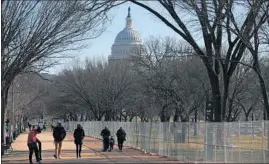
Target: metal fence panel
{"x": 234, "y": 142}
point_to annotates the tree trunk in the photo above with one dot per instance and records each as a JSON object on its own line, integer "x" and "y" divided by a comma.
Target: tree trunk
{"x": 107, "y": 117}
{"x": 120, "y": 116}
{"x": 163, "y": 117}
{"x": 99, "y": 118}
{"x": 195, "y": 123}
{"x": 4, "y": 95}
{"x": 176, "y": 116}
{"x": 216, "y": 104}
{"x": 131, "y": 118}
{"x": 168, "y": 118}
{"x": 230, "y": 109}
{"x": 216, "y": 97}
{"x": 226, "y": 83}
{"x": 247, "y": 115}
{"x": 264, "y": 94}
{"x": 216, "y": 107}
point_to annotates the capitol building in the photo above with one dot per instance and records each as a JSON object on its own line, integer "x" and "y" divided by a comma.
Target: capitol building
{"x": 127, "y": 43}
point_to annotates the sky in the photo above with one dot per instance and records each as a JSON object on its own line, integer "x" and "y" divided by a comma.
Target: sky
{"x": 143, "y": 22}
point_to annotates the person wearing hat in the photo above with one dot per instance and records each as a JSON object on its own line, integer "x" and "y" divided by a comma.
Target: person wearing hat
{"x": 59, "y": 134}
{"x": 79, "y": 136}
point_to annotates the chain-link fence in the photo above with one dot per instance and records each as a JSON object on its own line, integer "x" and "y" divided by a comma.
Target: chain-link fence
{"x": 235, "y": 142}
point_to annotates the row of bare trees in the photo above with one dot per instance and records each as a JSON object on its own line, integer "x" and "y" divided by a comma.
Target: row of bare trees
{"x": 165, "y": 81}
{"x": 234, "y": 39}
{"x": 26, "y": 98}
{"x": 242, "y": 25}
{"x": 35, "y": 34}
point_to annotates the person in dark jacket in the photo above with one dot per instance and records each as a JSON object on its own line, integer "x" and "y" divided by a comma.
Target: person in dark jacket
{"x": 78, "y": 137}
{"x": 29, "y": 126}
{"x": 59, "y": 134}
{"x": 121, "y": 137}
{"x": 105, "y": 133}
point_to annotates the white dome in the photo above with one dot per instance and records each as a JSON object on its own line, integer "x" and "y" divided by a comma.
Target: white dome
{"x": 127, "y": 36}
{"x": 127, "y": 42}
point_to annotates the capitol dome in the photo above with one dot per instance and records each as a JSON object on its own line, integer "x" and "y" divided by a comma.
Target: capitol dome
{"x": 127, "y": 36}
{"x": 127, "y": 42}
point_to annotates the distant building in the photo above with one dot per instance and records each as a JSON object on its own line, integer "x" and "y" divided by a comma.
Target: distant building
{"x": 127, "y": 42}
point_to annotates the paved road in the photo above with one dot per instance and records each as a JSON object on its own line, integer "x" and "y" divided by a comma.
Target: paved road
{"x": 91, "y": 152}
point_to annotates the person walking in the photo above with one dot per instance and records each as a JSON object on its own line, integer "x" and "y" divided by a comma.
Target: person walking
{"x": 79, "y": 136}
{"x": 121, "y": 137}
{"x": 105, "y": 133}
{"x": 29, "y": 126}
{"x": 59, "y": 134}
{"x": 32, "y": 145}
{"x": 111, "y": 143}
{"x": 39, "y": 144}
{"x": 52, "y": 127}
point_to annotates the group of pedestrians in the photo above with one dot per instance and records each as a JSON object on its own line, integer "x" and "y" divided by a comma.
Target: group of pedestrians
{"x": 59, "y": 134}
{"x": 34, "y": 144}
{"x": 108, "y": 140}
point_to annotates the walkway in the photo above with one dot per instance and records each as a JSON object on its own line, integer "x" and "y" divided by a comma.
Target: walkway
{"x": 91, "y": 152}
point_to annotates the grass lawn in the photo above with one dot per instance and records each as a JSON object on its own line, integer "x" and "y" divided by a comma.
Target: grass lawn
{"x": 243, "y": 142}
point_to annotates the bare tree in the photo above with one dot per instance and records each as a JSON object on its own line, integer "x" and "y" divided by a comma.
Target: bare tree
{"x": 245, "y": 95}
{"x": 257, "y": 46}
{"x": 98, "y": 87}
{"x": 167, "y": 76}
{"x": 243, "y": 91}
{"x": 25, "y": 92}
{"x": 152, "y": 64}
{"x": 216, "y": 19}
{"x": 34, "y": 32}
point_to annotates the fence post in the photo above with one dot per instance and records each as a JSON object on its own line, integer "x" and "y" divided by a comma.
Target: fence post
{"x": 205, "y": 146}
{"x": 267, "y": 152}
{"x": 225, "y": 143}
{"x": 262, "y": 135}
{"x": 150, "y": 146}
{"x": 136, "y": 133}
{"x": 188, "y": 150}
{"x": 252, "y": 135}
{"x": 239, "y": 133}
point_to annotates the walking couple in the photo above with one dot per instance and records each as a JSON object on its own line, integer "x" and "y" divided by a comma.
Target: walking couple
{"x": 59, "y": 134}
{"x": 109, "y": 142}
